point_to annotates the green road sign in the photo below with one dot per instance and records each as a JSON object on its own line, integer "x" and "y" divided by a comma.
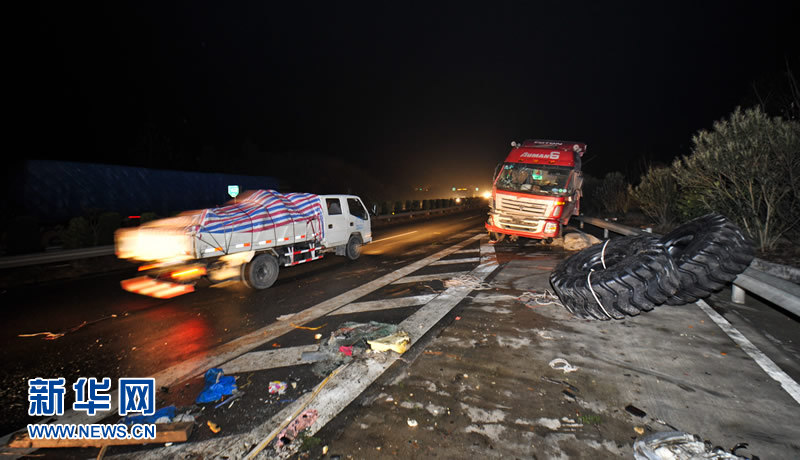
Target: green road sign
{"x": 233, "y": 191}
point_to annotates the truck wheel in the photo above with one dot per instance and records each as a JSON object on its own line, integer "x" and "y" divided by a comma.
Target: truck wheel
{"x": 353, "y": 249}
{"x": 261, "y": 272}
{"x": 709, "y": 252}
{"x": 638, "y": 275}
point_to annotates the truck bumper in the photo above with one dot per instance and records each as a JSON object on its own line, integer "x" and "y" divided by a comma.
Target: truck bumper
{"x": 537, "y": 236}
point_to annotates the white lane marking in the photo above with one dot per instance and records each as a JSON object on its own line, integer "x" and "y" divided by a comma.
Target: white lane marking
{"x": 235, "y": 348}
{"x": 468, "y": 218}
{"x": 433, "y": 277}
{"x": 352, "y": 380}
{"x": 386, "y": 304}
{"x": 467, "y": 251}
{"x": 392, "y": 237}
{"x": 456, "y": 261}
{"x": 269, "y": 359}
{"x": 772, "y": 369}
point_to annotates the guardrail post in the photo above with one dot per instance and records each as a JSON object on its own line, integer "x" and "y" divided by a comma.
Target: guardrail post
{"x": 737, "y": 294}
{"x": 605, "y": 233}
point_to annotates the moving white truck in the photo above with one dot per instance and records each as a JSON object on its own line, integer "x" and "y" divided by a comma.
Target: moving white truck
{"x": 247, "y": 239}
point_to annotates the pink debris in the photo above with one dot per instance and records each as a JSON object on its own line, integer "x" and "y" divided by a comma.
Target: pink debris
{"x": 290, "y": 433}
{"x": 348, "y": 351}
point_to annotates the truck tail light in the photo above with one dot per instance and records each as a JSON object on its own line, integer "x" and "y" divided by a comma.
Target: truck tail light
{"x": 551, "y": 228}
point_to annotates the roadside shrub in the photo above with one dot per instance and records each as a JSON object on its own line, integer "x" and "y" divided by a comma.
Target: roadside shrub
{"x": 747, "y": 168}
{"x": 656, "y": 195}
{"x": 612, "y": 193}
{"x": 78, "y": 234}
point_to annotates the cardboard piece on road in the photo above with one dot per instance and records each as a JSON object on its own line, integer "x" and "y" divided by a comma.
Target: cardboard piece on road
{"x": 398, "y": 342}
{"x": 165, "y": 432}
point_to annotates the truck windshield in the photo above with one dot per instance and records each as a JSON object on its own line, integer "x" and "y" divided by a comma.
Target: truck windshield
{"x": 539, "y": 179}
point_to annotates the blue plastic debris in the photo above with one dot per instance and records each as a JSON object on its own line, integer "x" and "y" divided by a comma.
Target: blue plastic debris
{"x": 167, "y": 413}
{"x": 217, "y": 386}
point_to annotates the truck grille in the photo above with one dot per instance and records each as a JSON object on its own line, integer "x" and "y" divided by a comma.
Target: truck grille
{"x": 507, "y": 223}
{"x": 531, "y": 208}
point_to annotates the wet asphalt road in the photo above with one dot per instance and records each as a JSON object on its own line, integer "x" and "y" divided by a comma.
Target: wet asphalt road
{"x": 108, "y": 332}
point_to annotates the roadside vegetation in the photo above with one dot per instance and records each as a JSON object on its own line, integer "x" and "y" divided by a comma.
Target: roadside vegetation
{"x": 746, "y": 167}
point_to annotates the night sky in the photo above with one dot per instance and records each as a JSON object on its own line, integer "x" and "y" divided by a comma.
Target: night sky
{"x": 428, "y": 93}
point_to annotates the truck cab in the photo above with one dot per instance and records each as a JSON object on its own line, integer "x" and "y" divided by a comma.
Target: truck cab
{"x": 345, "y": 217}
{"x": 536, "y": 190}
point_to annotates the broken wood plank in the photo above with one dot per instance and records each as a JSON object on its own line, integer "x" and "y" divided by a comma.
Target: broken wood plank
{"x": 165, "y": 432}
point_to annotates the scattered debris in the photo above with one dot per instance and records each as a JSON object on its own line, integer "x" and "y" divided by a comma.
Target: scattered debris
{"x": 290, "y": 433}
{"x": 397, "y": 342}
{"x": 317, "y": 336}
{"x": 677, "y": 445}
{"x": 277, "y": 387}
{"x": 561, "y": 364}
{"x": 635, "y": 410}
{"x": 236, "y": 395}
{"x": 57, "y": 335}
{"x": 539, "y": 299}
{"x": 347, "y": 351}
{"x": 213, "y": 427}
{"x": 330, "y": 354}
{"x": 217, "y": 385}
{"x": 307, "y": 328}
{"x": 412, "y": 423}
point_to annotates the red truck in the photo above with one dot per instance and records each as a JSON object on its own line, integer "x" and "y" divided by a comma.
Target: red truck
{"x": 536, "y": 190}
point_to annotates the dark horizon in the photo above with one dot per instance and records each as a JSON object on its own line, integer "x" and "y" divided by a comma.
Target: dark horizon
{"x": 414, "y": 94}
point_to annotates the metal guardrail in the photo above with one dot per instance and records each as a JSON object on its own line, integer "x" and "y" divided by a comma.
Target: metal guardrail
{"x": 775, "y": 289}
{"x": 41, "y": 258}
{"x": 55, "y": 256}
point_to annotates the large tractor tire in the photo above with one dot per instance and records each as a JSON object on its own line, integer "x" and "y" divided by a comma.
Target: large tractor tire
{"x": 261, "y": 272}
{"x": 709, "y": 252}
{"x": 623, "y": 276}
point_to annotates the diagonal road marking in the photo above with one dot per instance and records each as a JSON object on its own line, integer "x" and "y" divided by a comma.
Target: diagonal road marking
{"x": 435, "y": 276}
{"x": 456, "y": 261}
{"x": 387, "y": 304}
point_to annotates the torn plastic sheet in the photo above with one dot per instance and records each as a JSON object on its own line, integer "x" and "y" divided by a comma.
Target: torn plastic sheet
{"x": 677, "y": 445}
{"x": 217, "y": 385}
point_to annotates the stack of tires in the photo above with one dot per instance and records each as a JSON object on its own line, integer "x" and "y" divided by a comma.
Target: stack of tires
{"x": 627, "y": 275}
